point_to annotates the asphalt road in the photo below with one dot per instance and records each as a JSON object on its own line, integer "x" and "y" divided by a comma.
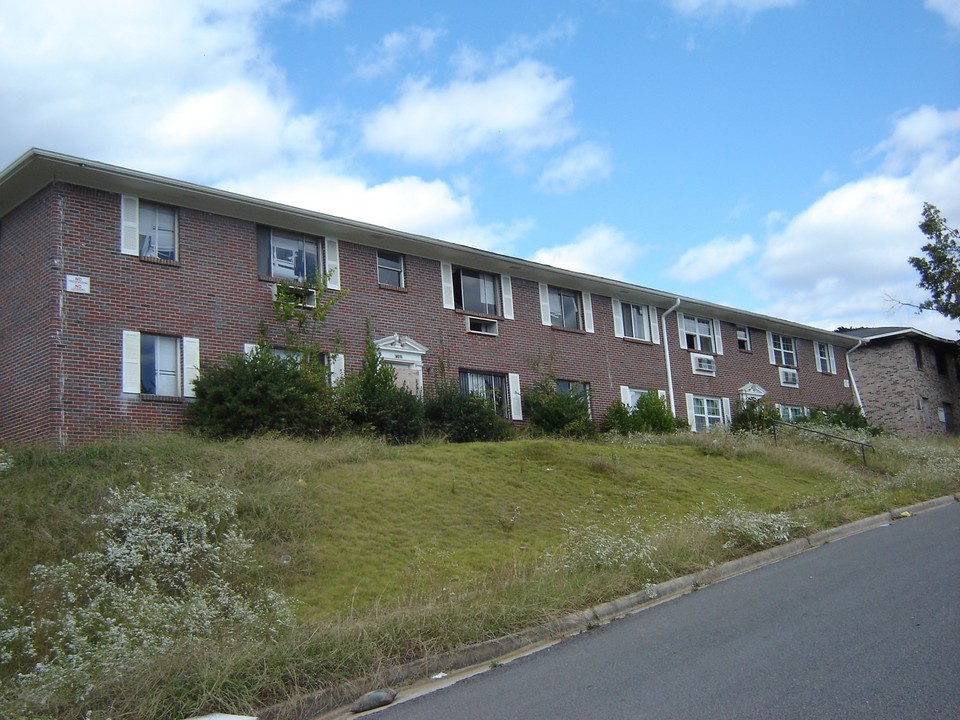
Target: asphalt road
{"x": 864, "y": 627}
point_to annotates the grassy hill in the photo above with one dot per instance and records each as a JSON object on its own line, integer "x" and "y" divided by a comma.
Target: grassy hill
{"x": 392, "y": 552}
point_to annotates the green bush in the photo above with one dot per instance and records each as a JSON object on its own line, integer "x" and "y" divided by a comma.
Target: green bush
{"x": 845, "y": 415}
{"x": 246, "y": 395}
{"x": 464, "y": 417}
{"x": 565, "y": 414}
{"x": 754, "y": 415}
{"x": 650, "y": 414}
{"x": 371, "y": 401}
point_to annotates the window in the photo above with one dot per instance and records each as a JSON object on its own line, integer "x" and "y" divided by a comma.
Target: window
{"x": 294, "y": 257}
{"x": 148, "y": 229}
{"x": 826, "y": 362}
{"x": 706, "y": 412}
{"x": 918, "y": 355}
{"x": 152, "y": 364}
{"x": 158, "y": 231}
{"x": 629, "y": 396}
{"x": 564, "y": 307}
{"x": 697, "y": 334}
{"x": 390, "y": 269}
{"x": 743, "y": 339}
{"x": 475, "y": 291}
{"x": 940, "y": 358}
{"x": 782, "y": 350}
{"x": 486, "y": 385}
{"x": 791, "y": 413}
{"x": 573, "y": 387}
{"x": 636, "y": 321}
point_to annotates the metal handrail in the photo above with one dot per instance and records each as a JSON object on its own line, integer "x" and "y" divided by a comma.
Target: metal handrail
{"x": 863, "y": 445}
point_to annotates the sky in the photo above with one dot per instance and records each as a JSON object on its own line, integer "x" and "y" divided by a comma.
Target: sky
{"x": 770, "y": 155}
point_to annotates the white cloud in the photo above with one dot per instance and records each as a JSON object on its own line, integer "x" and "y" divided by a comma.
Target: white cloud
{"x": 325, "y": 10}
{"x": 600, "y": 249}
{"x": 950, "y": 9}
{"x": 409, "y": 203}
{"x": 714, "y": 7}
{"x": 712, "y": 258}
{"x": 838, "y": 261}
{"x": 518, "y": 109}
{"x": 583, "y": 164}
{"x": 394, "y": 46}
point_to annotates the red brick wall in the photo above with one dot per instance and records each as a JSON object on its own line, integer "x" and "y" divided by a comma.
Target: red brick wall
{"x": 214, "y": 293}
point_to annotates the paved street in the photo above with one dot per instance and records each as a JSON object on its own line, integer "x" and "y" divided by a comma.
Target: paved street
{"x": 864, "y": 627}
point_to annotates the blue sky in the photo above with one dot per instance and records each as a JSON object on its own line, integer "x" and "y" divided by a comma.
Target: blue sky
{"x": 773, "y": 155}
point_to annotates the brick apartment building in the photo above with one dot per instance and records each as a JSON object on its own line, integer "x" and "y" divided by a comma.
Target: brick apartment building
{"x": 118, "y": 287}
{"x": 909, "y": 381}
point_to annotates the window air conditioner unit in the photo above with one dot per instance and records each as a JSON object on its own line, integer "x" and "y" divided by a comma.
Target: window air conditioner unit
{"x": 789, "y": 377}
{"x": 307, "y": 297}
{"x": 482, "y": 326}
{"x": 704, "y": 364}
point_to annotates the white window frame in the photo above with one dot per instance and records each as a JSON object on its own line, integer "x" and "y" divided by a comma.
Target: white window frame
{"x": 695, "y": 329}
{"x": 780, "y": 354}
{"x": 743, "y": 336}
{"x": 632, "y": 321}
{"x": 184, "y": 369}
{"x": 826, "y": 358}
{"x": 294, "y": 243}
{"x": 502, "y": 291}
{"x": 552, "y": 307}
{"x": 790, "y": 413}
{"x": 630, "y": 395}
{"x": 134, "y": 236}
{"x": 712, "y": 411}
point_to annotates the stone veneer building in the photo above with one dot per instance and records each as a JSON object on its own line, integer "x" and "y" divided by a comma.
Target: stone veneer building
{"x": 909, "y": 381}
{"x": 118, "y": 287}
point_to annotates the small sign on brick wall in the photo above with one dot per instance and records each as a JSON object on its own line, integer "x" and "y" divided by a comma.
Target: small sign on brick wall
{"x": 77, "y": 284}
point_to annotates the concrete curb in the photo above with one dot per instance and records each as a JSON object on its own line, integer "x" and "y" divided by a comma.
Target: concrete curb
{"x": 486, "y": 652}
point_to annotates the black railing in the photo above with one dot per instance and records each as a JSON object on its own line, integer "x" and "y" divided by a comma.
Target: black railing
{"x": 863, "y": 445}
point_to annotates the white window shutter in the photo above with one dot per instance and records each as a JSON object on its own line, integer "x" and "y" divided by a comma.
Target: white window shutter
{"x": 773, "y": 358}
{"x": 625, "y": 395}
{"x": 516, "y": 400}
{"x": 130, "y": 230}
{"x": 662, "y": 394}
{"x": 446, "y": 278}
{"x": 587, "y": 312}
{"x": 544, "y": 304}
{"x": 690, "y": 417}
{"x": 617, "y": 322}
{"x": 249, "y": 349}
{"x": 131, "y": 361}
{"x": 654, "y": 325}
{"x": 683, "y": 335}
{"x": 727, "y": 413}
{"x": 718, "y": 337}
{"x": 337, "y": 368}
{"x": 191, "y": 365}
{"x": 506, "y": 289}
{"x": 833, "y": 360}
{"x": 332, "y": 256}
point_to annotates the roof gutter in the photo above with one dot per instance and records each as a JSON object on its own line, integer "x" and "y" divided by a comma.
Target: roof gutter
{"x": 666, "y": 355}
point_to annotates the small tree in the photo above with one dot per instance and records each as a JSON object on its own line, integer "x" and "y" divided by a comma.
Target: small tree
{"x": 371, "y": 401}
{"x": 649, "y": 414}
{"x": 940, "y": 268}
{"x": 754, "y": 415}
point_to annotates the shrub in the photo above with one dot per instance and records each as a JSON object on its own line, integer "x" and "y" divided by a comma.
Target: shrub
{"x": 754, "y": 415}
{"x": 465, "y": 417}
{"x": 247, "y": 395}
{"x": 650, "y": 414}
{"x": 566, "y": 414}
{"x": 170, "y": 573}
{"x": 845, "y": 415}
{"x": 371, "y": 401}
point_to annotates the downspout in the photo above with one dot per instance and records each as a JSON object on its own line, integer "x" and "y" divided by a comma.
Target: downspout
{"x": 853, "y": 380}
{"x": 666, "y": 355}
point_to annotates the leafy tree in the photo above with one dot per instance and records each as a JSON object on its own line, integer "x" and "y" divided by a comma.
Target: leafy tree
{"x": 940, "y": 268}
{"x": 553, "y": 412}
{"x": 649, "y": 414}
{"x": 754, "y": 415}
